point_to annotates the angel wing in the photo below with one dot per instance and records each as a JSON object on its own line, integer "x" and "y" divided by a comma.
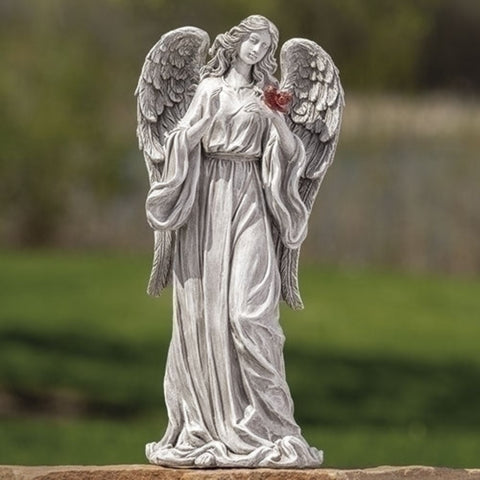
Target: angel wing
{"x": 315, "y": 117}
{"x": 167, "y": 83}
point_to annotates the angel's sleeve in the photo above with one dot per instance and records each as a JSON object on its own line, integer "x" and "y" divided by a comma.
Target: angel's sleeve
{"x": 170, "y": 200}
{"x": 280, "y": 176}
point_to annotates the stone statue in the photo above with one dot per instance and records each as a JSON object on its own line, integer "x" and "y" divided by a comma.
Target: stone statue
{"x": 235, "y": 163}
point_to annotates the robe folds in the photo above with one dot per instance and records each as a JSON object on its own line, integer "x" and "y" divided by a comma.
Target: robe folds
{"x": 225, "y": 389}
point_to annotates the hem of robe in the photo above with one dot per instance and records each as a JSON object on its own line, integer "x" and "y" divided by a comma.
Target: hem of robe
{"x": 287, "y": 452}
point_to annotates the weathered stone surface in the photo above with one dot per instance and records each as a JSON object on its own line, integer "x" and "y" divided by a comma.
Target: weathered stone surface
{"x": 151, "y": 472}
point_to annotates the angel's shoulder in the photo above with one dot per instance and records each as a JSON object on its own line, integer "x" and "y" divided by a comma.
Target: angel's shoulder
{"x": 209, "y": 84}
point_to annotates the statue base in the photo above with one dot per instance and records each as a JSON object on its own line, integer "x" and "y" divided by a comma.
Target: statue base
{"x": 152, "y": 472}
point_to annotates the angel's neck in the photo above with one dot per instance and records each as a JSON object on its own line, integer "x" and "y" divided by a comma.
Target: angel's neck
{"x": 240, "y": 74}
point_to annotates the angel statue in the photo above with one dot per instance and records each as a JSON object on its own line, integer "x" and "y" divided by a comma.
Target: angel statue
{"x": 235, "y": 161}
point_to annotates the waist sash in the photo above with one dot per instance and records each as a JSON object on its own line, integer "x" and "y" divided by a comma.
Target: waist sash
{"x": 234, "y": 157}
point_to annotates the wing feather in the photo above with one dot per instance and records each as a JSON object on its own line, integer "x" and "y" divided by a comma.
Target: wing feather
{"x": 315, "y": 117}
{"x": 167, "y": 83}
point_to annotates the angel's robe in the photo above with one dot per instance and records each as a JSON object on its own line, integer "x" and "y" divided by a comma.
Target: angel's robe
{"x": 225, "y": 389}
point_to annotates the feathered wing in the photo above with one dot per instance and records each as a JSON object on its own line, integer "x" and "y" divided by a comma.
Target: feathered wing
{"x": 167, "y": 83}
{"x": 315, "y": 117}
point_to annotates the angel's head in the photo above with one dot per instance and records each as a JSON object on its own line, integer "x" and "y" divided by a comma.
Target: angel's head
{"x": 241, "y": 41}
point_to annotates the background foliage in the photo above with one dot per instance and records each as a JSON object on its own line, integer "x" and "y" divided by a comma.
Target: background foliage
{"x": 70, "y": 171}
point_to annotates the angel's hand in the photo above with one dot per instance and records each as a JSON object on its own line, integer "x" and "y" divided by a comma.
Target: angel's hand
{"x": 157, "y": 156}
{"x": 261, "y": 109}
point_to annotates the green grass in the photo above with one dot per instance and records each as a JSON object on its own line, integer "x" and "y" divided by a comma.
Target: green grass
{"x": 371, "y": 447}
{"x": 72, "y": 441}
{"x": 386, "y": 313}
{"x": 383, "y": 367}
{"x": 102, "y": 442}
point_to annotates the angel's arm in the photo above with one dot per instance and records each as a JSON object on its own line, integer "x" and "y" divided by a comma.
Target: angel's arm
{"x": 285, "y": 137}
{"x": 199, "y": 116}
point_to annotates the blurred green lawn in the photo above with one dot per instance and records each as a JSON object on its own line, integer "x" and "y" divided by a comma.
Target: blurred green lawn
{"x": 384, "y": 367}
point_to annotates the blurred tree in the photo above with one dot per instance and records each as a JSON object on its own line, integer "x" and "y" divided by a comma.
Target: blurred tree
{"x": 450, "y": 52}
{"x": 70, "y": 68}
{"x": 375, "y": 42}
{"x": 60, "y": 98}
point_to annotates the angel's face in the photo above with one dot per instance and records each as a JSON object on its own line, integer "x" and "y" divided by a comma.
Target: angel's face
{"x": 254, "y": 47}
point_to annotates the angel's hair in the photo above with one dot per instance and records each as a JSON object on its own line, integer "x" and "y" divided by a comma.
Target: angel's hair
{"x": 226, "y": 46}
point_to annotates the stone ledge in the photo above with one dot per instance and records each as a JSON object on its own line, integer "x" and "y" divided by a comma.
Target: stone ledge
{"x": 151, "y": 472}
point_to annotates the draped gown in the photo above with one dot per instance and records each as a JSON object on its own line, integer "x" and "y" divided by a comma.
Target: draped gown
{"x": 227, "y": 398}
